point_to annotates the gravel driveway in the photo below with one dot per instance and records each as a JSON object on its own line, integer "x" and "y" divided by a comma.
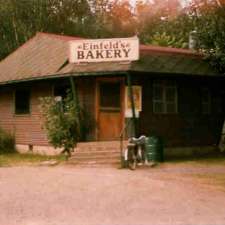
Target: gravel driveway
{"x": 66, "y": 195}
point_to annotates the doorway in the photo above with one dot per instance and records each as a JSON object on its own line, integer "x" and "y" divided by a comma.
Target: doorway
{"x": 110, "y": 106}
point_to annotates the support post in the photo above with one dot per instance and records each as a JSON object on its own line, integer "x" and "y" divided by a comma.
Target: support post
{"x": 76, "y": 100}
{"x": 130, "y": 93}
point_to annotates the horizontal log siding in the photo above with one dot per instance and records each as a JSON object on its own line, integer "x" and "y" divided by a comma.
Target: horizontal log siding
{"x": 26, "y": 128}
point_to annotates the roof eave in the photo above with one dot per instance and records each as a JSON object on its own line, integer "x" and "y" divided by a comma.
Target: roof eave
{"x": 80, "y": 74}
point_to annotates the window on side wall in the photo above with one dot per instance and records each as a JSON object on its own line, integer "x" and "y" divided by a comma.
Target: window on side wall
{"x": 61, "y": 90}
{"x": 164, "y": 97}
{"x": 22, "y": 101}
{"x": 206, "y": 101}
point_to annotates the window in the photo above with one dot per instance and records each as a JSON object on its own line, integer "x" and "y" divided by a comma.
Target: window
{"x": 218, "y": 104}
{"x": 206, "y": 101}
{"x": 109, "y": 95}
{"x": 164, "y": 97}
{"x": 61, "y": 90}
{"x": 22, "y": 101}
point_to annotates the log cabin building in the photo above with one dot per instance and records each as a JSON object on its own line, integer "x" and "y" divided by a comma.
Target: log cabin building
{"x": 175, "y": 93}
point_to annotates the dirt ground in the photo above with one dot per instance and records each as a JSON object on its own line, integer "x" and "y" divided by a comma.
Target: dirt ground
{"x": 171, "y": 193}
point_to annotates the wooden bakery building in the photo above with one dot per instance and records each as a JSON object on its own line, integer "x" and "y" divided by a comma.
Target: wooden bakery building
{"x": 121, "y": 84}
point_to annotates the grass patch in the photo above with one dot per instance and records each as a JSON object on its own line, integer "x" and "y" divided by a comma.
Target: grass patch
{"x": 16, "y": 159}
{"x": 212, "y": 158}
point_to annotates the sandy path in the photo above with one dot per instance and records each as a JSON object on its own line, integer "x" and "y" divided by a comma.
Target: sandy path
{"x": 66, "y": 195}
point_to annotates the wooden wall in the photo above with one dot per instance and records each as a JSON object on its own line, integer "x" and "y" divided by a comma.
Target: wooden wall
{"x": 188, "y": 127}
{"x": 86, "y": 93}
{"x": 27, "y": 128}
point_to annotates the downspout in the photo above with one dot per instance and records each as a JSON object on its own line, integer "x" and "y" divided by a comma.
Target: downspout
{"x": 131, "y": 96}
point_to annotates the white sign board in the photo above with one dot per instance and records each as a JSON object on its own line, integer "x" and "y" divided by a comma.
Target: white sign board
{"x": 104, "y": 50}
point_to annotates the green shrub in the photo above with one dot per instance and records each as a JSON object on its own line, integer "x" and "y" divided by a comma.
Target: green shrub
{"x": 7, "y": 142}
{"x": 61, "y": 122}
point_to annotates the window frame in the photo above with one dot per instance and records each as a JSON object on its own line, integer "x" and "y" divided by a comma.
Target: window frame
{"x": 15, "y": 111}
{"x": 116, "y": 108}
{"x": 208, "y": 103}
{"x": 59, "y": 87}
{"x": 164, "y": 85}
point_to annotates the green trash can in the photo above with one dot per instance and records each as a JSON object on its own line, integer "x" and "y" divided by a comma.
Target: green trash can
{"x": 154, "y": 149}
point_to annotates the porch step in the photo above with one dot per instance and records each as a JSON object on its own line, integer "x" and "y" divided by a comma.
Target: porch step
{"x": 96, "y": 153}
{"x": 85, "y": 154}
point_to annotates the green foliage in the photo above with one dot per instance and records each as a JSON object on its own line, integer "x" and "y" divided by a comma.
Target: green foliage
{"x": 85, "y": 18}
{"x": 18, "y": 159}
{"x": 167, "y": 40}
{"x": 211, "y": 35}
{"x": 7, "y": 142}
{"x": 64, "y": 17}
{"x": 61, "y": 122}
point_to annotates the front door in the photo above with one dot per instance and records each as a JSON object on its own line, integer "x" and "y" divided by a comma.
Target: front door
{"x": 110, "y": 109}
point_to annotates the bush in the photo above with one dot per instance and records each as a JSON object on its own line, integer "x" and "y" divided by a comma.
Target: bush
{"x": 7, "y": 142}
{"x": 61, "y": 122}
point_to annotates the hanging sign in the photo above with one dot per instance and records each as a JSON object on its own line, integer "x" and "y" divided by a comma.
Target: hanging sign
{"x": 137, "y": 95}
{"x": 104, "y": 50}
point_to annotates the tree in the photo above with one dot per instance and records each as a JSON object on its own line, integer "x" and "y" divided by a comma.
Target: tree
{"x": 164, "y": 39}
{"x": 210, "y": 25}
{"x": 19, "y": 20}
{"x": 163, "y": 22}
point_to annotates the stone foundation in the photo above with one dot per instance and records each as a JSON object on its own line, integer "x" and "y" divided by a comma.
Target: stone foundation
{"x": 41, "y": 150}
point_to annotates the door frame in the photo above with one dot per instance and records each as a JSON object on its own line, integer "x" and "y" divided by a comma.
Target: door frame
{"x": 97, "y": 98}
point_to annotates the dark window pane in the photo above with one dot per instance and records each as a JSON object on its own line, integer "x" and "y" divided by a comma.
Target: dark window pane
{"x": 205, "y": 95}
{"x": 22, "y": 101}
{"x": 164, "y": 97}
{"x": 218, "y": 104}
{"x": 110, "y": 95}
{"x": 170, "y": 108}
{"x": 170, "y": 94}
{"x": 205, "y": 108}
{"x": 158, "y": 107}
{"x": 61, "y": 91}
{"x": 158, "y": 93}
{"x": 206, "y": 101}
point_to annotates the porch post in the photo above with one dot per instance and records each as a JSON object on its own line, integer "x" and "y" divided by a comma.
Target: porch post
{"x": 75, "y": 99}
{"x": 130, "y": 93}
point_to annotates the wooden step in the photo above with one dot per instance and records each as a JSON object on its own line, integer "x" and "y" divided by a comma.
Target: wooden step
{"x": 96, "y": 160}
{"x": 95, "y": 164}
{"x": 96, "y": 149}
{"x": 100, "y": 144}
{"x": 96, "y": 153}
{"x": 99, "y": 157}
